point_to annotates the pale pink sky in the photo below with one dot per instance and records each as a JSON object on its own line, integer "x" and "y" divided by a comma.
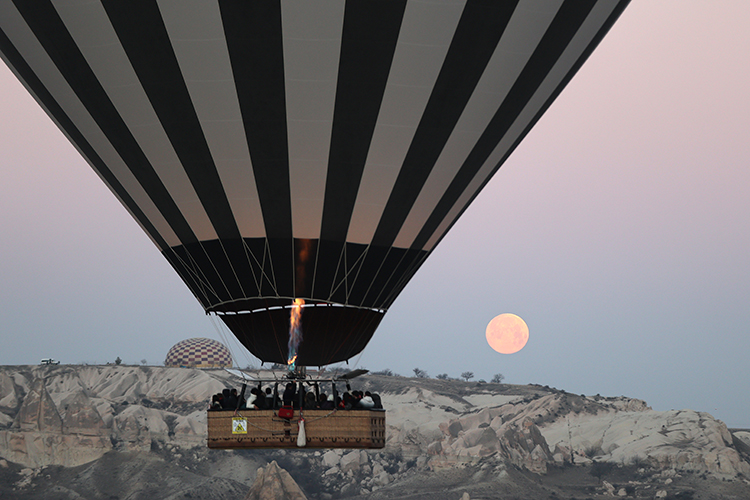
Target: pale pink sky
{"x": 619, "y": 230}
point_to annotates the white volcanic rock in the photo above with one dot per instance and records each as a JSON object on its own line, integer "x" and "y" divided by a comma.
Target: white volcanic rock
{"x": 684, "y": 440}
{"x": 38, "y": 412}
{"x": 8, "y": 397}
{"x": 70, "y": 415}
{"x": 350, "y": 462}
{"x": 137, "y": 426}
{"x": 191, "y": 429}
{"x": 40, "y": 436}
{"x": 80, "y": 416}
{"x": 5, "y": 420}
{"x": 133, "y": 383}
{"x": 331, "y": 458}
{"x": 743, "y": 436}
{"x": 415, "y": 417}
{"x": 577, "y": 428}
{"x": 419, "y": 409}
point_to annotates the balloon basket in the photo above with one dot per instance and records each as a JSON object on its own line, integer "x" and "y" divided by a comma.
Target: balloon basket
{"x": 323, "y": 429}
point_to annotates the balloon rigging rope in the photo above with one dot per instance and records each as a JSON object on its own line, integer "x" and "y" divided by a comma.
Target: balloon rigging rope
{"x": 208, "y": 257}
{"x": 226, "y": 339}
{"x": 201, "y": 284}
{"x": 239, "y": 282}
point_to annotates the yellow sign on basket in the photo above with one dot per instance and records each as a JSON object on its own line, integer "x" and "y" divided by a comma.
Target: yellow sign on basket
{"x": 239, "y": 425}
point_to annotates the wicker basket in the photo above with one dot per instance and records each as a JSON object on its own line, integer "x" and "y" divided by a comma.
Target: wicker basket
{"x": 324, "y": 429}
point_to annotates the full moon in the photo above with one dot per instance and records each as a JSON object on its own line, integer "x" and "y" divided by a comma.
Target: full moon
{"x": 507, "y": 333}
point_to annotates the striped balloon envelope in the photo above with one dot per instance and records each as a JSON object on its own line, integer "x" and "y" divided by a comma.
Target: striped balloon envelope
{"x": 275, "y": 150}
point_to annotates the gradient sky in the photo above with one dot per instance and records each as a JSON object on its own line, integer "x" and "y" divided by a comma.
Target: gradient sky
{"x": 619, "y": 230}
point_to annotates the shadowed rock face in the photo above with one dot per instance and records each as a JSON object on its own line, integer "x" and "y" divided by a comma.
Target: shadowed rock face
{"x": 274, "y": 483}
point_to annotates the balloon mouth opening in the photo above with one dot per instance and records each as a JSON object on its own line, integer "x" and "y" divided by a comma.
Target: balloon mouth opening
{"x": 332, "y": 332}
{"x": 262, "y": 305}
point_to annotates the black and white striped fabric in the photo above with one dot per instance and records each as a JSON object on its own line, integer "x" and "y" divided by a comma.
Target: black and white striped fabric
{"x": 311, "y": 149}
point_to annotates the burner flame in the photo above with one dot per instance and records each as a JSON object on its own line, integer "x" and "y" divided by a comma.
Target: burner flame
{"x": 295, "y": 333}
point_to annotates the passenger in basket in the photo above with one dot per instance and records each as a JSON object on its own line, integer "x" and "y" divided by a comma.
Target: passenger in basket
{"x": 269, "y": 398}
{"x": 366, "y": 401}
{"x": 252, "y": 403}
{"x": 215, "y": 402}
{"x": 231, "y": 399}
{"x": 289, "y": 394}
{"x": 242, "y": 401}
{"x": 258, "y": 398}
{"x": 310, "y": 402}
{"x": 377, "y": 401}
{"x": 328, "y": 404}
{"x": 225, "y": 400}
{"x": 348, "y": 401}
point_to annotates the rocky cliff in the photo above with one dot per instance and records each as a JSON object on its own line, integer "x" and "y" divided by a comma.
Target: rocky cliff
{"x": 67, "y": 421}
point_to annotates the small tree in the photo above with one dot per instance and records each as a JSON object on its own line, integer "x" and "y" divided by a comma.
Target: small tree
{"x": 419, "y": 373}
{"x": 144, "y": 361}
{"x": 387, "y": 372}
{"x": 442, "y": 376}
{"x": 600, "y": 469}
{"x": 467, "y": 376}
{"x": 498, "y": 378}
{"x": 118, "y": 360}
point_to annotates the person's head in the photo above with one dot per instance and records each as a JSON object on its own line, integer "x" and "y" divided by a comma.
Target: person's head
{"x": 234, "y": 392}
{"x": 268, "y": 391}
{"x": 367, "y": 393}
{"x": 226, "y": 393}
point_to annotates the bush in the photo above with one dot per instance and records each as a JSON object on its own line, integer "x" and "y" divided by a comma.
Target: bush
{"x": 467, "y": 376}
{"x": 592, "y": 451}
{"x": 442, "y": 376}
{"x": 498, "y": 378}
{"x": 600, "y": 469}
{"x": 420, "y": 373}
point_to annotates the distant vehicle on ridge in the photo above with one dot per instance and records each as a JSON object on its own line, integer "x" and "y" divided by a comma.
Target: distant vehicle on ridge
{"x": 49, "y": 361}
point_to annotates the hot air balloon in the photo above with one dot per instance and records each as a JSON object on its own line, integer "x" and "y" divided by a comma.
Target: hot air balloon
{"x": 283, "y": 150}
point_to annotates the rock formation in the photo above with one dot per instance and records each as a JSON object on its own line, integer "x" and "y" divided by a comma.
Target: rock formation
{"x": 74, "y": 415}
{"x": 274, "y": 483}
{"x": 580, "y": 430}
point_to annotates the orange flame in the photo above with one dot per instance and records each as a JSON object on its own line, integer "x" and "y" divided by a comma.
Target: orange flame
{"x": 296, "y": 316}
{"x": 295, "y": 332}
